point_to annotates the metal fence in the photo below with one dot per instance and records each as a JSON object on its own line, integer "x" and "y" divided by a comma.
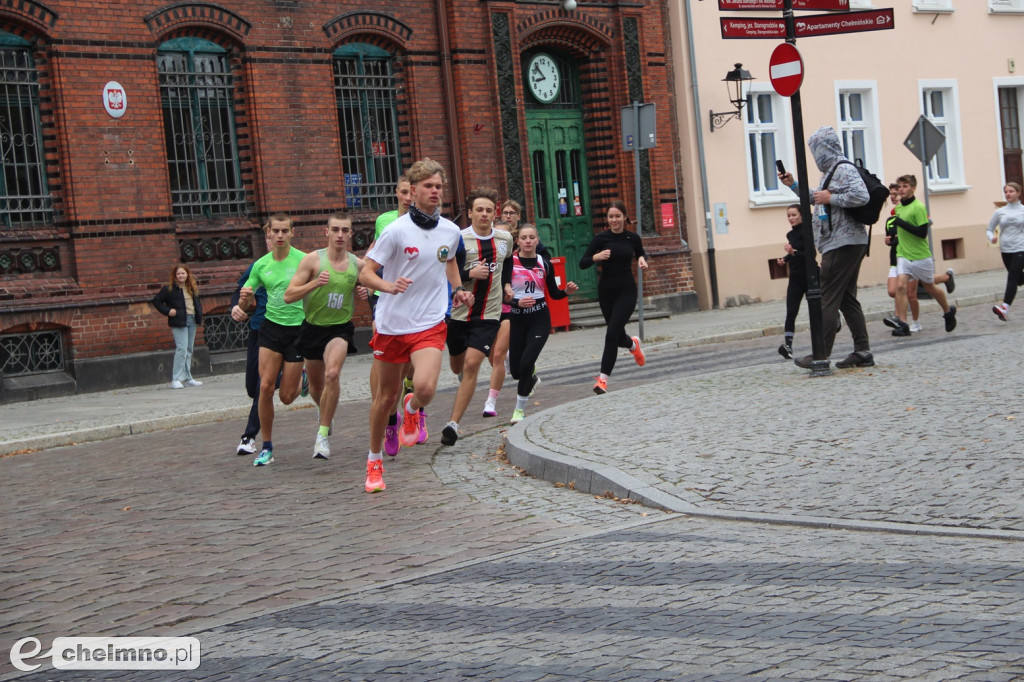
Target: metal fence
{"x": 31, "y": 353}
{"x": 224, "y": 334}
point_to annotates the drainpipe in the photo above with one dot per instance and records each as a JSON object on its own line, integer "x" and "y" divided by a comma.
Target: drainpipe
{"x": 448, "y": 81}
{"x": 712, "y": 271}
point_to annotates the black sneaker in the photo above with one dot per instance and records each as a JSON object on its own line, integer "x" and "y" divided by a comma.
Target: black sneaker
{"x": 950, "y": 318}
{"x": 786, "y": 351}
{"x": 892, "y": 321}
{"x": 902, "y": 330}
{"x": 950, "y": 283}
{"x": 858, "y": 358}
{"x": 450, "y": 433}
{"x": 806, "y": 362}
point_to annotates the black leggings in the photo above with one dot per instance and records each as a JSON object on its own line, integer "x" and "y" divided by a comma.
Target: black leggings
{"x": 527, "y": 334}
{"x": 617, "y": 306}
{"x": 794, "y": 294}
{"x": 1014, "y": 263}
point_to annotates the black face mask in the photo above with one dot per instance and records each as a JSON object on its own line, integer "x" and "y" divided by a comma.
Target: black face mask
{"x": 427, "y": 222}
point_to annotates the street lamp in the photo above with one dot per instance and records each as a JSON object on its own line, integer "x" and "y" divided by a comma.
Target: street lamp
{"x": 734, "y": 85}
{"x": 569, "y": 5}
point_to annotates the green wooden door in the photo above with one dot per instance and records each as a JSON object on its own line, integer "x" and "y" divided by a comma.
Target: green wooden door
{"x": 561, "y": 193}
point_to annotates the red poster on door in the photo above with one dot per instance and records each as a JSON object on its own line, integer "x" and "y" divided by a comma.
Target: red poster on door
{"x": 668, "y": 217}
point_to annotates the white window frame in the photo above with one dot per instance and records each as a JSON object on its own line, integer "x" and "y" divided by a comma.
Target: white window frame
{"x": 954, "y": 138}
{"x": 933, "y": 6}
{"x": 871, "y": 126}
{"x": 782, "y": 128}
{"x": 1006, "y": 6}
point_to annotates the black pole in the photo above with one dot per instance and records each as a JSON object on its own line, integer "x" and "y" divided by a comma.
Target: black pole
{"x": 820, "y": 366}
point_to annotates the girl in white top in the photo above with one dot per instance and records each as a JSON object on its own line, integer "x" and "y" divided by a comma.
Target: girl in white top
{"x": 1010, "y": 221}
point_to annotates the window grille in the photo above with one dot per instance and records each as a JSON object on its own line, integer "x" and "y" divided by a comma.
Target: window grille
{"x": 31, "y": 353}
{"x": 224, "y": 334}
{"x": 24, "y": 198}
{"x": 365, "y": 87}
{"x": 196, "y": 93}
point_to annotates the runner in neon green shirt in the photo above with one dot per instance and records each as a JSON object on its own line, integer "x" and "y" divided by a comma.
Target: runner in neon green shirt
{"x": 327, "y": 283}
{"x": 279, "y": 333}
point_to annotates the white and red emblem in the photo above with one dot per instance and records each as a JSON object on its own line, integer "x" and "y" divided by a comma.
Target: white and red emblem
{"x": 115, "y": 99}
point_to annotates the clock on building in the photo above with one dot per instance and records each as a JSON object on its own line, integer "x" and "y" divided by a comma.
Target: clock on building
{"x": 544, "y": 78}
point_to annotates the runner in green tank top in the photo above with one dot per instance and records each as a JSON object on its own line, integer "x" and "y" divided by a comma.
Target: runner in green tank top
{"x": 327, "y": 283}
{"x": 279, "y": 333}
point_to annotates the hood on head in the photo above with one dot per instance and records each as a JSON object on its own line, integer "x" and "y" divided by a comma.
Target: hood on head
{"x": 825, "y": 147}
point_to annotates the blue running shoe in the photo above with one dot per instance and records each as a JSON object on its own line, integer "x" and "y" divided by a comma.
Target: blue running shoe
{"x": 264, "y": 458}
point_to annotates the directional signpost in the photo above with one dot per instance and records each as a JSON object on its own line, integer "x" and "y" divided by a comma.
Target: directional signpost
{"x": 924, "y": 142}
{"x": 786, "y": 69}
{"x": 810, "y": 25}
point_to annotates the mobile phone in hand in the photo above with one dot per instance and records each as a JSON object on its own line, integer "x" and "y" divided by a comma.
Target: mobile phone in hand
{"x": 780, "y": 167}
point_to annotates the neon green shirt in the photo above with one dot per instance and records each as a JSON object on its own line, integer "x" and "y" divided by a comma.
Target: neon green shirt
{"x": 910, "y": 246}
{"x": 274, "y": 276}
{"x": 332, "y": 303}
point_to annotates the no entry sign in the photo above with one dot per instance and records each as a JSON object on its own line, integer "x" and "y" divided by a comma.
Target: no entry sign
{"x": 786, "y": 70}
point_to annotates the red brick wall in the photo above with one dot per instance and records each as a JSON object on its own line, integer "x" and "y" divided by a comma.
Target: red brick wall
{"x": 113, "y": 221}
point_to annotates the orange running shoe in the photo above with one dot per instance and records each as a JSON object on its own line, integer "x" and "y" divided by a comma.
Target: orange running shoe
{"x": 410, "y": 424}
{"x": 601, "y": 387}
{"x": 638, "y": 353}
{"x": 375, "y": 476}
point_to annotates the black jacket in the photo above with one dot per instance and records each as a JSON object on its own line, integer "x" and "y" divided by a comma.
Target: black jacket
{"x": 174, "y": 299}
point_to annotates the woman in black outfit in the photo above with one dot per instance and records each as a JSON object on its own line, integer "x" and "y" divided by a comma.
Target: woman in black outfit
{"x": 797, "y": 275}
{"x": 179, "y": 301}
{"x": 614, "y": 250}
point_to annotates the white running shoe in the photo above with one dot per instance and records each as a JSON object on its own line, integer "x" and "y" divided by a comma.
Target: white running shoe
{"x": 322, "y": 450}
{"x": 247, "y": 446}
{"x": 193, "y": 382}
{"x": 490, "y": 408}
{"x": 915, "y": 326}
{"x": 177, "y": 384}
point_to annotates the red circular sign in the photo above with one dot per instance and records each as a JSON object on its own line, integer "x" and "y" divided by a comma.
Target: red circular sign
{"x": 786, "y": 70}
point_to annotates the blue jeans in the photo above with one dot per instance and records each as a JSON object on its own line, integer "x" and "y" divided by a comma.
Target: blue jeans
{"x": 184, "y": 342}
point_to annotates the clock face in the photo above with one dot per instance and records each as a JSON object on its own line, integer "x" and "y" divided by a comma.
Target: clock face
{"x": 544, "y": 78}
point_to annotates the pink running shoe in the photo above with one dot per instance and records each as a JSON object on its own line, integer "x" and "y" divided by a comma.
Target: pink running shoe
{"x": 391, "y": 442}
{"x": 423, "y": 428}
{"x": 410, "y": 431}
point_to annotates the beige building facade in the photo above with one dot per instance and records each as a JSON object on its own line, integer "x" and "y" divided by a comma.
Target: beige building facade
{"x": 960, "y": 63}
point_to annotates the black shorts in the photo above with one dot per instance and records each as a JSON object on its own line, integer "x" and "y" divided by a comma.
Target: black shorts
{"x": 313, "y": 339}
{"x": 478, "y": 334}
{"x": 281, "y": 339}
{"x": 372, "y": 300}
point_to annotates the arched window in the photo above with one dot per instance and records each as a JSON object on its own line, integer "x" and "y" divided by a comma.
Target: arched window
{"x": 365, "y": 87}
{"x": 24, "y": 198}
{"x": 197, "y": 97}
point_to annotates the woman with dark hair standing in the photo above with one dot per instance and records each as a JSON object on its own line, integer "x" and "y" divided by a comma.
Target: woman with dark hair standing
{"x": 179, "y": 301}
{"x": 614, "y": 250}
{"x": 797, "y": 288}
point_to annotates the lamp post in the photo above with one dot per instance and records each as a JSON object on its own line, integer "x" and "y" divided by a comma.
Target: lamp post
{"x": 734, "y": 81}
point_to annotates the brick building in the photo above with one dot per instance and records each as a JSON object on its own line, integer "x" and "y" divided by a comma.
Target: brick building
{"x": 149, "y": 132}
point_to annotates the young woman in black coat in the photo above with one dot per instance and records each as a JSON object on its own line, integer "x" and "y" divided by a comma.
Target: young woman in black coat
{"x": 179, "y": 301}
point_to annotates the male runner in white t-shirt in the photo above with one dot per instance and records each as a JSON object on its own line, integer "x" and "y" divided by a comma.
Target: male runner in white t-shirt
{"x": 417, "y": 252}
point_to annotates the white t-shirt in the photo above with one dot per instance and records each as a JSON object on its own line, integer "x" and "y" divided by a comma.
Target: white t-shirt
{"x": 407, "y": 250}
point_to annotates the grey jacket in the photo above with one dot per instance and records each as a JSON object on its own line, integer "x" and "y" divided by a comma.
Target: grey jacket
{"x": 847, "y": 189}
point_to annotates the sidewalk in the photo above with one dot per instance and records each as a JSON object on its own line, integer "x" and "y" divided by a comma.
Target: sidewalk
{"x": 88, "y": 417}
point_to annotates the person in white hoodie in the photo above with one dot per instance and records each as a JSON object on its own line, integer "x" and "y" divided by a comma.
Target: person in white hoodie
{"x": 1010, "y": 221}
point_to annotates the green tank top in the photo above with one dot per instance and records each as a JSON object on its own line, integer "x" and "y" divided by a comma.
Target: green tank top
{"x": 334, "y": 303}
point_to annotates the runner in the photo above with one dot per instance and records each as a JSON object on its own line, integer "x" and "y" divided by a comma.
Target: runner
{"x": 472, "y": 331}
{"x": 417, "y": 253}
{"x": 279, "y": 332}
{"x": 511, "y": 211}
{"x": 392, "y": 444}
{"x": 326, "y": 283}
{"x": 614, "y": 250}
{"x": 530, "y": 282}
{"x": 247, "y": 446}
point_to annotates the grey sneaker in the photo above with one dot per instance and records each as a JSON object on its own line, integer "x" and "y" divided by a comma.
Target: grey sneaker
{"x": 950, "y": 283}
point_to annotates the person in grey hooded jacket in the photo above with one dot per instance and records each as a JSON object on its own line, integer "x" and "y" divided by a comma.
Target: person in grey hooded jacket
{"x": 842, "y": 242}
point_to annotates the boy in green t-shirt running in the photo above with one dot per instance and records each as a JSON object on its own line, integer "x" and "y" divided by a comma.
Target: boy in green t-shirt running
{"x": 914, "y": 259}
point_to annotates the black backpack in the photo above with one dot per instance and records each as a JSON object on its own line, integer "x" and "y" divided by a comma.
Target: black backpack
{"x": 878, "y": 194}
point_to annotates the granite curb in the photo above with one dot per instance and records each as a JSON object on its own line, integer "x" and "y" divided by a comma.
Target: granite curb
{"x": 582, "y": 476}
